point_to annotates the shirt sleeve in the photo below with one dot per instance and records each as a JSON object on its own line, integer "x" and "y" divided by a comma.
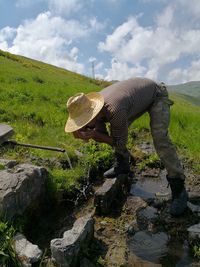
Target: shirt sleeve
{"x": 100, "y": 126}
{"x": 119, "y": 129}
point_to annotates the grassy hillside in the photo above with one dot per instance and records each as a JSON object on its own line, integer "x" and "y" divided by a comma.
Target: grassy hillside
{"x": 190, "y": 89}
{"x": 33, "y": 99}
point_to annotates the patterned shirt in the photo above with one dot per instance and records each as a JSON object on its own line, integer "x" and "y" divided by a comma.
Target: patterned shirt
{"x": 124, "y": 102}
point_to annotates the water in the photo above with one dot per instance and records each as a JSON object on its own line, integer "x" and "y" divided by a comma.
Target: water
{"x": 148, "y": 188}
{"x": 159, "y": 249}
{"x": 68, "y": 160}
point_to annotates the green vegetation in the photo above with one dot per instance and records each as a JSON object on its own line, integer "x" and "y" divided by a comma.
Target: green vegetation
{"x": 7, "y": 253}
{"x": 33, "y": 99}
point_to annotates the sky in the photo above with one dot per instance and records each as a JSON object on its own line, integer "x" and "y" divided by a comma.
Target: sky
{"x": 157, "y": 39}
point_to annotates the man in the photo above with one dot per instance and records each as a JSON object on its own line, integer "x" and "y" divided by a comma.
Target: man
{"x": 119, "y": 105}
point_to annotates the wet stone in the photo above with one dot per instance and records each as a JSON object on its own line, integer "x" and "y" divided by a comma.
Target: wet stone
{"x": 194, "y": 208}
{"x": 141, "y": 243}
{"x": 134, "y": 204}
{"x": 146, "y": 217}
{"x": 65, "y": 251}
{"x": 109, "y": 193}
{"x": 194, "y": 232}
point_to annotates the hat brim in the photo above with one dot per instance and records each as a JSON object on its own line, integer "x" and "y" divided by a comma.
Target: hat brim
{"x": 74, "y": 124}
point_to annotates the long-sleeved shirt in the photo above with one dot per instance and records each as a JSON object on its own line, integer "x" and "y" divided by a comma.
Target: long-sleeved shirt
{"x": 124, "y": 102}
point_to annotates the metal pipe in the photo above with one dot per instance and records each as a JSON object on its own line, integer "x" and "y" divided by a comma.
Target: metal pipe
{"x": 36, "y": 146}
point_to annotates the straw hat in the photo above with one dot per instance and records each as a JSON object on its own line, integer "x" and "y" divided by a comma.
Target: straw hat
{"x": 82, "y": 108}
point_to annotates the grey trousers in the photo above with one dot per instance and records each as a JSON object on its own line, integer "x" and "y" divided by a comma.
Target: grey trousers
{"x": 159, "y": 123}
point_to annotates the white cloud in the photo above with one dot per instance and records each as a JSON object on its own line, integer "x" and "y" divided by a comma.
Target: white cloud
{"x": 192, "y": 73}
{"x": 153, "y": 47}
{"x": 64, "y": 7}
{"x": 51, "y": 43}
{"x": 121, "y": 71}
{"x": 92, "y": 59}
{"x": 164, "y": 19}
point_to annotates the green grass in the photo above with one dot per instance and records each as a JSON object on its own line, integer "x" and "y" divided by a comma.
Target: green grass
{"x": 33, "y": 99}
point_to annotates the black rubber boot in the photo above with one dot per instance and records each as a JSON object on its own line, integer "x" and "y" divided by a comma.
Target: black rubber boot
{"x": 179, "y": 196}
{"x": 121, "y": 166}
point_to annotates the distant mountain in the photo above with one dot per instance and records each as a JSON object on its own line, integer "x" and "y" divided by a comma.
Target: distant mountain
{"x": 190, "y": 91}
{"x": 190, "y": 88}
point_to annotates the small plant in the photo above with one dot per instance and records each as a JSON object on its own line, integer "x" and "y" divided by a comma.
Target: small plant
{"x": 152, "y": 161}
{"x": 2, "y": 167}
{"x": 7, "y": 254}
{"x": 196, "y": 251}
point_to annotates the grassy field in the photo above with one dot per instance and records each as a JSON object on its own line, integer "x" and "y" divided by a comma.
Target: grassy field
{"x": 33, "y": 99}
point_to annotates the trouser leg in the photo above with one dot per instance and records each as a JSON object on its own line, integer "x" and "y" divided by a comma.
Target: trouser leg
{"x": 159, "y": 123}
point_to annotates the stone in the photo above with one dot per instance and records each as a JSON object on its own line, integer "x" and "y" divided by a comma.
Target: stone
{"x": 134, "y": 204}
{"x": 194, "y": 231}
{"x": 26, "y": 251}
{"x": 5, "y": 132}
{"x": 65, "y": 251}
{"x": 194, "y": 208}
{"x": 108, "y": 193}
{"x": 20, "y": 187}
{"x": 146, "y": 217}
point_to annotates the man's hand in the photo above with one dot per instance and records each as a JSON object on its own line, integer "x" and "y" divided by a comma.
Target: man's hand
{"x": 87, "y": 134}
{"x": 84, "y": 134}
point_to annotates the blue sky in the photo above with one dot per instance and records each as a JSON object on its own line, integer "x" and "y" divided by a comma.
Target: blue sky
{"x": 159, "y": 39}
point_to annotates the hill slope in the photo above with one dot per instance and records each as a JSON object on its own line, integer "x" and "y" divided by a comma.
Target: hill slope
{"x": 189, "y": 90}
{"x": 33, "y": 99}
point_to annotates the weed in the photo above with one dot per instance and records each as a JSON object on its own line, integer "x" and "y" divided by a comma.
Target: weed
{"x": 2, "y": 167}
{"x": 196, "y": 251}
{"x": 7, "y": 254}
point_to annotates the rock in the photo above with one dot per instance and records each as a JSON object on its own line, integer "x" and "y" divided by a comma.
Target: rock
{"x": 108, "y": 193}
{"x": 65, "y": 251}
{"x": 146, "y": 217}
{"x": 86, "y": 263}
{"x": 134, "y": 204}
{"x": 194, "y": 208}
{"x": 26, "y": 251}
{"x": 20, "y": 187}
{"x": 5, "y": 132}
{"x": 8, "y": 163}
{"x": 148, "y": 247}
{"x": 194, "y": 231}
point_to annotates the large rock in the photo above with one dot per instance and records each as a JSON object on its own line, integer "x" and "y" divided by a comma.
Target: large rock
{"x": 65, "y": 251}
{"x": 20, "y": 187}
{"x": 26, "y": 251}
{"x": 108, "y": 193}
